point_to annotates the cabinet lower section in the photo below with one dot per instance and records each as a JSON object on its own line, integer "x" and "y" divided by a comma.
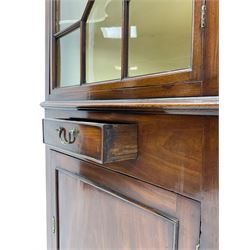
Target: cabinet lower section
{"x": 93, "y": 208}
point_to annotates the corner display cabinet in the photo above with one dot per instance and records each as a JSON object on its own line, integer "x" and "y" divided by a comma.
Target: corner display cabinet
{"x": 131, "y": 124}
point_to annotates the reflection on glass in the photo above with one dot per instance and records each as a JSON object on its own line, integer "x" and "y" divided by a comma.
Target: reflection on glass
{"x": 69, "y": 12}
{"x": 163, "y": 39}
{"x": 103, "y": 45}
{"x": 68, "y": 71}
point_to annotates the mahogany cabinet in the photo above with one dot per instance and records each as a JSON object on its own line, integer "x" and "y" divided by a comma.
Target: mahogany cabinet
{"x": 131, "y": 124}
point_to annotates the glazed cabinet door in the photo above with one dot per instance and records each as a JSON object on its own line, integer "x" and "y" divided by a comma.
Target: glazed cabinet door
{"x": 93, "y": 208}
{"x": 99, "y": 48}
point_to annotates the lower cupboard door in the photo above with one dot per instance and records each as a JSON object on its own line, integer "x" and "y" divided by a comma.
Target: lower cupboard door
{"x": 96, "y": 208}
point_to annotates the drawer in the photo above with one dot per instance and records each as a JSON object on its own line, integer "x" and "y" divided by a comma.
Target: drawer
{"x": 99, "y": 142}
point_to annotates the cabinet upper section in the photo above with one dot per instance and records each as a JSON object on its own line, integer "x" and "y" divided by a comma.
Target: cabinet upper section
{"x": 115, "y": 49}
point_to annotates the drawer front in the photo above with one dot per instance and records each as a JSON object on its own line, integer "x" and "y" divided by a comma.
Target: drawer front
{"x": 99, "y": 142}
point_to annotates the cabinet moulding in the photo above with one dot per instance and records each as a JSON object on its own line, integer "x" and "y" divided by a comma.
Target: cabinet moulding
{"x": 188, "y": 105}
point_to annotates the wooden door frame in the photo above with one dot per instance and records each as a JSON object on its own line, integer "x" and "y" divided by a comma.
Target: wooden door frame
{"x": 201, "y": 80}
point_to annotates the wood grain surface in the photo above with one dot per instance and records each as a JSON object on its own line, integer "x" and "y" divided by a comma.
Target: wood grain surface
{"x": 100, "y": 209}
{"x": 98, "y": 142}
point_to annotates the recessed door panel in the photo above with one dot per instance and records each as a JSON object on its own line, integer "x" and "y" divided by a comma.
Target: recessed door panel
{"x": 95, "y": 208}
{"x": 91, "y": 218}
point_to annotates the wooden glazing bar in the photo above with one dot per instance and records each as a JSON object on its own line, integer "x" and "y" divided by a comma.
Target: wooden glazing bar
{"x": 87, "y": 10}
{"x": 125, "y": 39}
{"x": 83, "y": 53}
{"x": 67, "y": 30}
{"x": 84, "y": 19}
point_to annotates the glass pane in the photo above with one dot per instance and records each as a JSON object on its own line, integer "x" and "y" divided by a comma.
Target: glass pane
{"x": 69, "y": 12}
{"x": 103, "y": 45}
{"x": 68, "y": 71}
{"x": 160, "y": 36}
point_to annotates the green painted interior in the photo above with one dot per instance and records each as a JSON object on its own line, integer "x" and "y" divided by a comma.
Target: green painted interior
{"x": 69, "y": 12}
{"x": 162, "y": 42}
{"x": 69, "y": 59}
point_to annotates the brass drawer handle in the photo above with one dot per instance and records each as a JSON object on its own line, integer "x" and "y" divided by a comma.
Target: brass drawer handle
{"x": 72, "y": 134}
